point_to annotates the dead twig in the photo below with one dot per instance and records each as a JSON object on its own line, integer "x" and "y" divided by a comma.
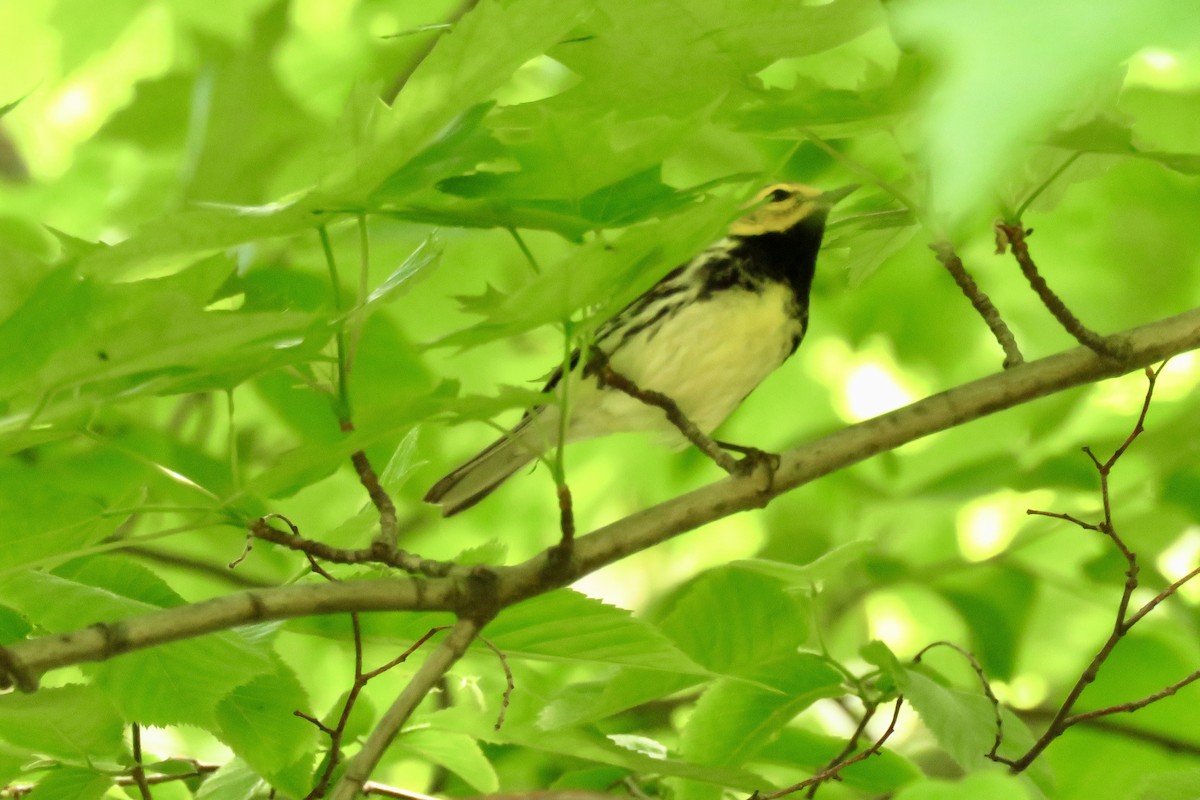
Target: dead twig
{"x": 982, "y": 303}
{"x": 832, "y": 773}
{"x": 1013, "y": 236}
{"x": 1124, "y": 619}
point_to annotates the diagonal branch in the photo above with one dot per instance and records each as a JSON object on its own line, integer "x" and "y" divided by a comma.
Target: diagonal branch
{"x": 982, "y": 303}
{"x": 1014, "y": 237}
{"x": 439, "y": 662}
{"x": 486, "y": 589}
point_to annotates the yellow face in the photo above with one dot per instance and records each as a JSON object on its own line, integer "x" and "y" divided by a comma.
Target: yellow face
{"x": 778, "y": 207}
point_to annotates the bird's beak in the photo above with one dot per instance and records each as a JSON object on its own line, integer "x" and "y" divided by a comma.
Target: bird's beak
{"x": 834, "y": 196}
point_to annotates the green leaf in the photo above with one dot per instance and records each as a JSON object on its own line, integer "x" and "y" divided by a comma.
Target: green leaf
{"x": 567, "y": 626}
{"x": 996, "y": 602}
{"x": 586, "y": 278}
{"x": 734, "y": 719}
{"x": 770, "y": 624}
{"x": 994, "y": 97}
{"x": 803, "y": 578}
{"x": 41, "y": 519}
{"x": 981, "y": 786}
{"x": 73, "y": 723}
{"x": 587, "y": 745}
{"x": 233, "y": 781}
{"x": 466, "y": 65}
{"x": 882, "y": 773}
{"x": 964, "y": 724}
{"x": 258, "y": 723}
{"x": 456, "y": 752}
{"x": 72, "y": 783}
{"x": 171, "y": 684}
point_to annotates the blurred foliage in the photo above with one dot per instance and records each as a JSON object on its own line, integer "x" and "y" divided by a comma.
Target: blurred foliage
{"x": 168, "y": 372}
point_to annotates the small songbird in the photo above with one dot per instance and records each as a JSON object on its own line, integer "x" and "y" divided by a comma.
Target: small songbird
{"x": 705, "y": 336}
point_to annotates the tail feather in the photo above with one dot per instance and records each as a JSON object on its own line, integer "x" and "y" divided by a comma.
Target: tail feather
{"x": 479, "y": 477}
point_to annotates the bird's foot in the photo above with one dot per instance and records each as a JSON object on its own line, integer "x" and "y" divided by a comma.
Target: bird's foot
{"x": 754, "y": 462}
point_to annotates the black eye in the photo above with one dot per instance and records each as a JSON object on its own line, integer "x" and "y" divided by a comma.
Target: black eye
{"x": 779, "y": 195}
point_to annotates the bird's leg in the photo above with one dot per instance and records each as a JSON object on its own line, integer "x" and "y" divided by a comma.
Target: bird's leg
{"x": 607, "y": 376}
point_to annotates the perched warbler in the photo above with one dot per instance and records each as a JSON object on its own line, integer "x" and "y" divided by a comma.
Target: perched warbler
{"x": 705, "y": 336}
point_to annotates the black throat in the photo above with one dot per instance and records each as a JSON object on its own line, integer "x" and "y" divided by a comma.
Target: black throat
{"x": 788, "y": 257}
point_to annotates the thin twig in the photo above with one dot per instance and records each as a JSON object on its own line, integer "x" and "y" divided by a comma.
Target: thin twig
{"x": 851, "y": 744}
{"x": 359, "y": 769}
{"x": 1168, "y": 743}
{"x": 1123, "y": 621}
{"x": 983, "y": 682}
{"x": 831, "y": 773}
{"x": 1134, "y": 705}
{"x": 361, "y": 679}
{"x": 982, "y": 303}
{"x": 138, "y": 772}
{"x": 1014, "y": 236}
{"x": 509, "y": 683}
{"x": 393, "y": 557}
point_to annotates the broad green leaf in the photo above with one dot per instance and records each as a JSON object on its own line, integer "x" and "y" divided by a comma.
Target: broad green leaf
{"x": 187, "y": 235}
{"x": 233, "y": 781}
{"x": 807, "y": 577}
{"x": 587, "y": 745}
{"x": 175, "y": 683}
{"x": 734, "y": 719}
{"x": 456, "y": 752}
{"x": 42, "y": 519}
{"x": 258, "y": 723}
{"x": 74, "y": 723}
{"x": 770, "y": 624}
{"x": 964, "y": 724}
{"x": 722, "y": 43}
{"x": 466, "y": 65}
{"x": 567, "y": 626}
{"x": 72, "y": 783}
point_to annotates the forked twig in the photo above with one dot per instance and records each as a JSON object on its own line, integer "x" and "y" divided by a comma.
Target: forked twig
{"x": 1013, "y": 236}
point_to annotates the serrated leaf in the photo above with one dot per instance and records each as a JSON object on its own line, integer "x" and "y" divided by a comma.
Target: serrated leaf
{"x": 567, "y": 626}
{"x": 41, "y": 519}
{"x": 964, "y": 724}
{"x": 456, "y": 752}
{"x": 171, "y": 684}
{"x": 588, "y": 276}
{"x": 257, "y": 721}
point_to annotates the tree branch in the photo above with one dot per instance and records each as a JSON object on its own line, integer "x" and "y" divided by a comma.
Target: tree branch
{"x": 439, "y": 662}
{"x": 489, "y": 589}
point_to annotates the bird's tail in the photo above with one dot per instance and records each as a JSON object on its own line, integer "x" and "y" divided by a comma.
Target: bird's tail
{"x": 479, "y": 477}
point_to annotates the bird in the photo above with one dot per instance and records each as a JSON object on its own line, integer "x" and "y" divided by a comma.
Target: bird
{"x": 705, "y": 335}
